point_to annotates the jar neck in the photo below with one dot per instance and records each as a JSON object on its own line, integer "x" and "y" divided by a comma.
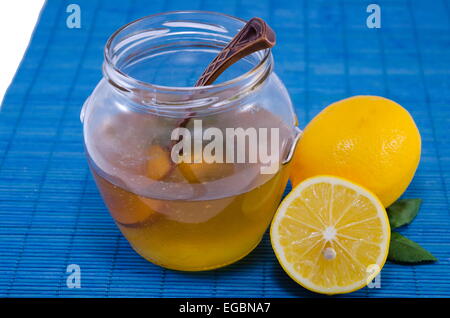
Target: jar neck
{"x": 161, "y": 34}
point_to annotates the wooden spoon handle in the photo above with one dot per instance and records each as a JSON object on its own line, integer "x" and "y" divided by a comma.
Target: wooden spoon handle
{"x": 255, "y": 35}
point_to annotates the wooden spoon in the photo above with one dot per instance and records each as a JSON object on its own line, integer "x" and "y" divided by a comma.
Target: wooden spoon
{"x": 256, "y": 35}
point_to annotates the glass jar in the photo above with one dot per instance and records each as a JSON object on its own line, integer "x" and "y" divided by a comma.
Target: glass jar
{"x": 187, "y": 210}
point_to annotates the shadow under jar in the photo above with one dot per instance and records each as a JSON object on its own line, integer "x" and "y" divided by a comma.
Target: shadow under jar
{"x": 199, "y": 215}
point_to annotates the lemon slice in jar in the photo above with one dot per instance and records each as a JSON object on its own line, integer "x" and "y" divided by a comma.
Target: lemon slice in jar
{"x": 331, "y": 235}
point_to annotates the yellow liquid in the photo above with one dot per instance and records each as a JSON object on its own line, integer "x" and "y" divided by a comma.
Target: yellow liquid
{"x": 189, "y": 216}
{"x": 195, "y": 235}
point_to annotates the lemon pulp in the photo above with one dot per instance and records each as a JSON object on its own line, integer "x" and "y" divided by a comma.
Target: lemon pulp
{"x": 331, "y": 235}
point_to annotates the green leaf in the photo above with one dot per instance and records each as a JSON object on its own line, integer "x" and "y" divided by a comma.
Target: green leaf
{"x": 403, "y": 212}
{"x": 403, "y": 250}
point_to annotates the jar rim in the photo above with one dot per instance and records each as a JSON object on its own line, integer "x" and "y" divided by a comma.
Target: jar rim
{"x": 264, "y": 61}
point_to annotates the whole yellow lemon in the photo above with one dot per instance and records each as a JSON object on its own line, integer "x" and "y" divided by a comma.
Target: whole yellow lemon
{"x": 370, "y": 140}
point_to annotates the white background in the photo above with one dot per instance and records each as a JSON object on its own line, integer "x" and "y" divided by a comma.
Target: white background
{"x": 17, "y": 21}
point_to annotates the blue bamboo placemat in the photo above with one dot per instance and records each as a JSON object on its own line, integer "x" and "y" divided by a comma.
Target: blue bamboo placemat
{"x": 51, "y": 214}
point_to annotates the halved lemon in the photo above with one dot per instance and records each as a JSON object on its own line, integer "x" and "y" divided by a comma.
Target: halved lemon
{"x": 331, "y": 235}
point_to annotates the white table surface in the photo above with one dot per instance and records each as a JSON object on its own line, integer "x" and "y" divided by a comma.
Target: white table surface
{"x": 17, "y": 21}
